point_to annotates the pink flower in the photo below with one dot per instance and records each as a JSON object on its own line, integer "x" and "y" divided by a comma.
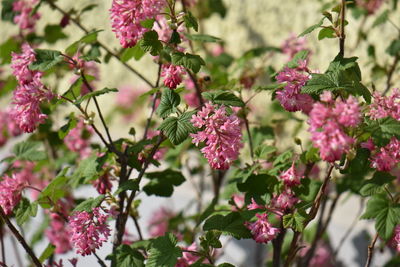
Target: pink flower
{"x": 29, "y": 93}
{"x": 78, "y": 139}
{"x": 24, "y": 19}
{"x": 369, "y": 144}
{"x": 126, "y": 16}
{"x": 370, "y": 5}
{"x": 158, "y": 224}
{"x": 385, "y": 106}
{"x": 127, "y": 95}
{"x": 221, "y": 135}
{"x": 238, "y": 201}
{"x": 188, "y": 258}
{"x": 172, "y": 75}
{"x": 88, "y": 230}
{"x": 291, "y": 177}
{"x": 10, "y": 192}
{"x": 284, "y": 201}
{"x": 262, "y": 230}
{"x": 3, "y": 128}
{"x": 322, "y": 256}
{"x": 191, "y": 98}
{"x": 395, "y": 241}
{"x": 293, "y": 44}
{"x": 387, "y": 157}
{"x": 253, "y": 205}
{"x": 103, "y": 183}
{"x": 291, "y": 97}
{"x": 328, "y": 123}
{"x": 58, "y": 234}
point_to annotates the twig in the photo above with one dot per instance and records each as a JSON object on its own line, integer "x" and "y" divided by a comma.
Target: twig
{"x": 371, "y": 250}
{"x": 101, "y": 262}
{"x": 342, "y": 36}
{"x": 390, "y": 74}
{"x": 3, "y": 253}
{"x": 246, "y": 123}
{"x": 20, "y": 239}
{"x": 108, "y": 50}
{"x": 277, "y": 245}
{"x": 196, "y": 86}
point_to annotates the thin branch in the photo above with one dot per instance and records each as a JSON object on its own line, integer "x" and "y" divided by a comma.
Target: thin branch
{"x": 342, "y": 36}
{"x": 20, "y": 239}
{"x": 196, "y": 86}
{"x": 3, "y": 253}
{"x": 101, "y": 262}
{"x": 108, "y": 50}
{"x": 371, "y": 251}
{"x": 390, "y": 74}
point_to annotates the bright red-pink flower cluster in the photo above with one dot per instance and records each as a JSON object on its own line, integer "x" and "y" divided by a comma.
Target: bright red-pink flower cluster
{"x": 172, "y": 75}
{"x": 387, "y": 157}
{"x": 24, "y": 19}
{"x": 221, "y": 134}
{"x": 395, "y": 242}
{"x": 29, "y": 93}
{"x": 385, "y": 106}
{"x": 89, "y": 230}
{"x": 10, "y": 191}
{"x": 328, "y": 122}
{"x": 127, "y": 15}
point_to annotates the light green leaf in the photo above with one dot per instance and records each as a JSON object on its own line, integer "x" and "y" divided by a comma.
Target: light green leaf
{"x": 164, "y": 252}
{"x": 204, "y": 38}
{"x": 46, "y": 59}
{"x": 94, "y": 94}
{"x": 28, "y": 150}
{"x": 223, "y": 98}
{"x": 193, "y": 62}
{"x": 313, "y": 27}
{"x": 89, "y": 204}
{"x": 25, "y": 210}
{"x": 177, "y": 129}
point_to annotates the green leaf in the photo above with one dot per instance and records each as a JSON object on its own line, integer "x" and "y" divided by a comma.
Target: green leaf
{"x": 295, "y": 220}
{"x": 385, "y": 213}
{"x": 28, "y": 150}
{"x": 257, "y": 184}
{"x": 25, "y": 210}
{"x": 94, "y": 94}
{"x": 204, "y": 38}
{"x": 313, "y": 27}
{"x": 175, "y": 38}
{"x": 223, "y": 98}
{"x": 150, "y": 43}
{"x": 89, "y": 38}
{"x": 125, "y": 256}
{"x": 168, "y": 103}
{"x": 301, "y": 55}
{"x": 89, "y": 204}
{"x": 148, "y": 23}
{"x": 394, "y": 48}
{"x": 46, "y": 59}
{"x": 54, "y": 190}
{"x": 376, "y": 183}
{"x": 211, "y": 239}
{"x": 308, "y": 189}
{"x": 88, "y": 8}
{"x": 191, "y": 21}
{"x": 382, "y": 130}
{"x": 48, "y": 251}
{"x": 87, "y": 169}
{"x": 326, "y": 33}
{"x": 164, "y": 252}
{"x": 382, "y": 18}
{"x": 262, "y": 151}
{"x": 217, "y": 6}
{"x": 7, "y": 12}
{"x": 6, "y": 48}
{"x": 193, "y": 62}
{"x": 162, "y": 183}
{"x": 231, "y": 224}
{"x": 66, "y": 128}
{"x": 53, "y": 33}
{"x": 177, "y": 129}
{"x": 128, "y": 185}
{"x": 133, "y": 52}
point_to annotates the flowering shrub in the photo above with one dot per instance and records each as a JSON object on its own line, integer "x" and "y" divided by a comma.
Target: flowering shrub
{"x": 203, "y": 126}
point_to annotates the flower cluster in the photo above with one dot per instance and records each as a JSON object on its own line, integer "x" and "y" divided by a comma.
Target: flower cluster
{"x": 58, "y": 234}
{"x": 385, "y": 106}
{"x": 23, "y": 18}
{"x": 395, "y": 242}
{"x": 328, "y": 122}
{"x": 290, "y": 96}
{"x": 321, "y": 257}
{"x": 262, "y": 230}
{"x": 387, "y": 157}
{"x": 370, "y": 5}
{"x": 103, "y": 183}
{"x": 29, "y": 93}
{"x": 291, "y": 177}
{"x": 293, "y": 45}
{"x": 88, "y": 230}
{"x": 158, "y": 224}
{"x": 188, "y": 258}
{"x": 10, "y": 192}
{"x": 77, "y": 140}
{"x": 221, "y": 134}
{"x": 127, "y": 15}
{"x": 172, "y": 75}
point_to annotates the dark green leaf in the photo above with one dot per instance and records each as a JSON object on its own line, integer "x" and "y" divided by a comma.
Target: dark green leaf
{"x": 148, "y": 23}
{"x": 64, "y": 130}
{"x": 89, "y": 38}
{"x": 177, "y": 129}
{"x": 382, "y": 130}
{"x": 164, "y": 252}
{"x": 326, "y": 33}
{"x": 162, "y": 183}
{"x": 223, "y": 98}
{"x": 7, "y": 12}
{"x": 295, "y": 220}
{"x": 87, "y": 170}
{"x": 128, "y": 185}
{"x": 175, "y": 38}
{"x": 46, "y": 59}
{"x": 382, "y": 18}
{"x": 150, "y": 43}
{"x": 88, "y": 8}
{"x": 94, "y": 94}
{"x": 133, "y": 52}
{"x": 205, "y": 38}
{"x": 193, "y": 62}
{"x": 53, "y": 33}
{"x": 54, "y": 190}
{"x": 191, "y": 21}
{"x": 394, "y": 48}
{"x": 89, "y": 204}
{"x": 231, "y": 224}
{"x": 375, "y": 185}
{"x": 169, "y": 101}
{"x": 125, "y": 256}
{"x": 308, "y": 189}
{"x": 6, "y": 48}
{"x": 217, "y": 6}
{"x": 313, "y": 27}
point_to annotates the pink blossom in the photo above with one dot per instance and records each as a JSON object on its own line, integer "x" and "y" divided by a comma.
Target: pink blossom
{"x": 126, "y": 16}
{"x": 89, "y": 230}
{"x": 291, "y": 176}
{"x": 58, "y": 234}
{"x": 262, "y": 230}
{"x": 78, "y": 139}
{"x": 221, "y": 135}
{"x": 328, "y": 123}
{"x": 172, "y": 75}
{"x": 395, "y": 241}
{"x": 217, "y": 50}
{"x": 370, "y": 5}
{"x": 386, "y": 158}
{"x": 103, "y": 183}
{"x": 29, "y": 93}
{"x": 188, "y": 258}
{"x": 10, "y": 192}
{"x": 385, "y": 106}
{"x": 3, "y": 128}
{"x": 24, "y": 19}
{"x": 290, "y": 96}
{"x": 293, "y": 45}
{"x": 158, "y": 224}
{"x": 369, "y": 144}
{"x": 191, "y": 98}
{"x": 285, "y": 200}
{"x": 322, "y": 256}
{"x": 253, "y": 205}
{"x": 238, "y": 201}
{"x": 127, "y": 95}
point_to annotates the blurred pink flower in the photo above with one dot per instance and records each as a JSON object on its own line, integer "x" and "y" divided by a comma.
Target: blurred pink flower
{"x": 58, "y": 234}
{"x": 370, "y": 5}
{"x": 385, "y": 106}
{"x": 291, "y": 176}
{"x": 24, "y": 17}
{"x": 10, "y": 191}
{"x": 78, "y": 139}
{"x": 158, "y": 224}
{"x": 293, "y": 44}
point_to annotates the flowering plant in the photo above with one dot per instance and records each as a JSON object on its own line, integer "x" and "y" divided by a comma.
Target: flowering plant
{"x": 204, "y": 126}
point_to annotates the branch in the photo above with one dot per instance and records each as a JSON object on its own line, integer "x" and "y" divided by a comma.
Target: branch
{"x": 371, "y": 250}
{"x": 196, "y": 86}
{"x": 108, "y": 50}
{"x": 20, "y": 239}
{"x": 342, "y": 36}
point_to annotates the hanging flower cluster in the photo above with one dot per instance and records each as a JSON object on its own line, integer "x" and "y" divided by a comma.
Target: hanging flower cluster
{"x": 172, "y": 75}
{"x": 24, "y": 17}
{"x": 262, "y": 230}
{"x": 220, "y": 133}
{"x": 293, "y": 44}
{"x": 10, "y": 191}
